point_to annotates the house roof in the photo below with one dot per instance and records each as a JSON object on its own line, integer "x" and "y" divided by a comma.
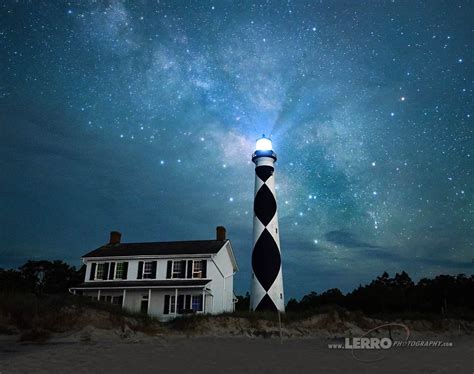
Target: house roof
{"x": 194, "y": 247}
{"x": 144, "y": 284}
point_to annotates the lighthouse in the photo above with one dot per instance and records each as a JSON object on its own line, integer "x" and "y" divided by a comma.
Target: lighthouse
{"x": 267, "y": 278}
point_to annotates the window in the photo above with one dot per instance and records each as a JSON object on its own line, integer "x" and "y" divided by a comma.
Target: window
{"x": 117, "y": 300}
{"x": 197, "y": 269}
{"x": 148, "y": 270}
{"x": 100, "y": 271}
{"x": 177, "y": 269}
{"x": 196, "y": 303}
{"x": 183, "y": 304}
{"x": 119, "y": 270}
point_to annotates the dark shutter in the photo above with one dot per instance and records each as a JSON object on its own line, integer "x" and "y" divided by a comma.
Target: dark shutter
{"x": 112, "y": 270}
{"x": 140, "y": 270}
{"x": 169, "y": 268}
{"x": 153, "y": 270}
{"x": 187, "y": 306}
{"x": 106, "y": 271}
{"x": 92, "y": 275}
{"x": 125, "y": 270}
{"x": 183, "y": 269}
{"x": 180, "y": 304}
{"x": 167, "y": 305}
{"x": 202, "y": 303}
{"x": 190, "y": 269}
{"x": 204, "y": 268}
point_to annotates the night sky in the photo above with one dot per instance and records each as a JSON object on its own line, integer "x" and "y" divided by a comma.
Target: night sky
{"x": 142, "y": 116}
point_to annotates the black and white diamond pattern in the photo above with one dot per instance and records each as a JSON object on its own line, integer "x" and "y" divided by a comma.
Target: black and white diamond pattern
{"x": 267, "y": 282}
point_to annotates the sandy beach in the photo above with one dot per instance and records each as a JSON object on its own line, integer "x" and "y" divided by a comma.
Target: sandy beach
{"x": 225, "y": 354}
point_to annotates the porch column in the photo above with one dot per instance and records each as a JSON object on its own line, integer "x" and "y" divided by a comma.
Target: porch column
{"x": 123, "y": 298}
{"x": 149, "y": 301}
{"x": 203, "y": 301}
{"x": 98, "y": 295}
{"x": 175, "y": 301}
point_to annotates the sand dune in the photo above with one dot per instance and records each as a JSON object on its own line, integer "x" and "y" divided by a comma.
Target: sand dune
{"x": 237, "y": 345}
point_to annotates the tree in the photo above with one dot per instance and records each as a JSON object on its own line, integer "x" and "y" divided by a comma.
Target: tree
{"x": 243, "y": 302}
{"x": 49, "y": 277}
{"x": 11, "y": 281}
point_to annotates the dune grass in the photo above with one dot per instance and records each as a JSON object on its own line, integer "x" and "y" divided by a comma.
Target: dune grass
{"x": 36, "y": 317}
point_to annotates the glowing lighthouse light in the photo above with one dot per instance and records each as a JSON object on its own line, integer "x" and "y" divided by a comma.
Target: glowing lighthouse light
{"x": 263, "y": 144}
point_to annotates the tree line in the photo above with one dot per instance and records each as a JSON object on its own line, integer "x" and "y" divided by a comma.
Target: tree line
{"x": 399, "y": 294}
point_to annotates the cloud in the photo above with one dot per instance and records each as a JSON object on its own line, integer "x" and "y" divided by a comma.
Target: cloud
{"x": 346, "y": 239}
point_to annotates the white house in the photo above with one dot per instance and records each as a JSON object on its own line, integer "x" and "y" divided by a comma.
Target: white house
{"x": 163, "y": 279}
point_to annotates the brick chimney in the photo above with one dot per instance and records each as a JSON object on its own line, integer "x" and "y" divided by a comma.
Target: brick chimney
{"x": 220, "y": 233}
{"x": 115, "y": 237}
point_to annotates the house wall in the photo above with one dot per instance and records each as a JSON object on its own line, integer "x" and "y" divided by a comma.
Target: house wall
{"x": 222, "y": 286}
{"x": 219, "y": 270}
{"x": 157, "y": 302}
{"x": 214, "y": 304}
{"x": 133, "y": 300}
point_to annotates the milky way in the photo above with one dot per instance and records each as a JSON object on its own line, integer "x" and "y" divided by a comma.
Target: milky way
{"x": 142, "y": 116}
